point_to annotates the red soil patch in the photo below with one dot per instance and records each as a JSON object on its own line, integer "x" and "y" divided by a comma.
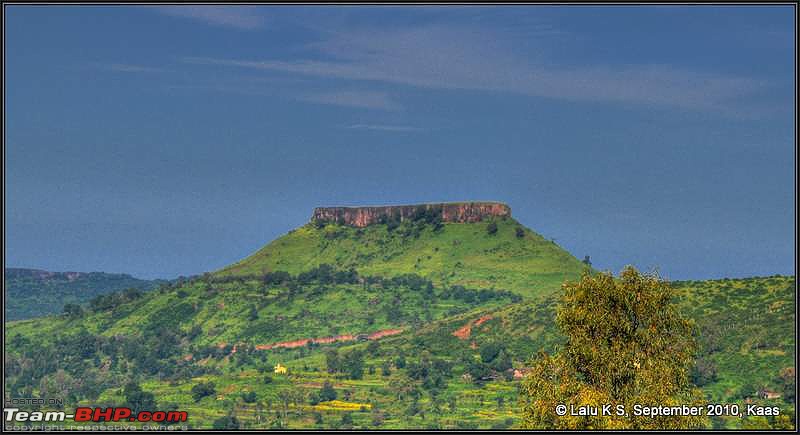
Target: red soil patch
{"x": 384, "y": 333}
{"x": 327, "y": 340}
{"x": 464, "y": 332}
{"x": 521, "y": 373}
{"x": 482, "y": 319}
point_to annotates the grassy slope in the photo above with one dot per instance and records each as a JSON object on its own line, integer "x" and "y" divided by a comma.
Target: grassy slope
{"x": 460, "y": 254}
{"x": 222, "y": 311}
{"x": 746, "y": 328}
{"x": 753, "y": 350}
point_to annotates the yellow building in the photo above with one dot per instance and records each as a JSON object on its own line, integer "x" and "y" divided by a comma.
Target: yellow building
{"x": 279, "y": 369}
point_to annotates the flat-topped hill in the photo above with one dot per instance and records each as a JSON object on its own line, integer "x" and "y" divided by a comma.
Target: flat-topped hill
{"x": 474, "y": 244}
{"x": 453, "y": 212}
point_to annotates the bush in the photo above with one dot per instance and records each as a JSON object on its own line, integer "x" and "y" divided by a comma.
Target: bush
{"x": 489, "y": 351}
{"x": 202, "y": 390}
{"x": 327, "y": 392}
{"x": 347, "y": 421}
{"x": 138, "y": 400}
{"x": 73, "y": 311}
{"x": 226, "y": 423}
{"x": 704, "y": 372}
{"x": 353, "y": 364}
{"x": 491, "y": 229}
{"x": 249, "y": 397}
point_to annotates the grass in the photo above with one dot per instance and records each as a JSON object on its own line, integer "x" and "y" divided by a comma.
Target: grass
{"x": 459, "y": 254}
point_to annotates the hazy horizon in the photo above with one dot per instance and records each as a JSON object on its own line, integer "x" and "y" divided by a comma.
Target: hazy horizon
{"x": 164, "y": 141}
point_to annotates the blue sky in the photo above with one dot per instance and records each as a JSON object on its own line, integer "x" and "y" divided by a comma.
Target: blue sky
{"x": 161, "y": 141}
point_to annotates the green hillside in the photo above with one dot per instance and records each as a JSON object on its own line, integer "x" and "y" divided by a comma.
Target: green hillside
{"x": 431, "y": 322}
{"x": 32, "y": 292}
{"x": 514, "y": 258}
{"x": 746, "y": 336}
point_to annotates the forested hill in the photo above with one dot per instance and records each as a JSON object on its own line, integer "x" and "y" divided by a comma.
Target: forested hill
{"x": 32, "y": 292}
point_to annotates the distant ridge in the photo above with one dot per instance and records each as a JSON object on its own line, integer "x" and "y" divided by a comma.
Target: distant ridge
{"x": 35, "y": 292}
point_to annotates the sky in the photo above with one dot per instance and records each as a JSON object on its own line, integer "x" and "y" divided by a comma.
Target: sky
{"x": 174, "y": 140}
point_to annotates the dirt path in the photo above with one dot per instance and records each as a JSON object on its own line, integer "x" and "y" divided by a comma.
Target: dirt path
{"x": 327, "y": 340}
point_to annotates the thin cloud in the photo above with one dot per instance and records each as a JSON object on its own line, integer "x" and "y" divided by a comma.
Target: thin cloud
{"x": 237, "y": 17}
{"x": 441, "y": 57}
{"x": 378, "y": 127}
{"x": 360, "y": 99}
{"x": 128, "y": 68}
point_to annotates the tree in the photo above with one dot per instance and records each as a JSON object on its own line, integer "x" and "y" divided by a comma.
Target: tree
{"x": 138, "y": 400}
{"x": 347, "y": 421}
{"x": 249, "y": 397}
{"x": 786, "y": 379}
{"x": 626, "y": 344}
{"x": 478, "y": 371}
{"x": 353, "y": 364}
{"x": 253, "y": 314}
{"x": 73, "y": 311}
{"x": 202, "y": 390}
{"x": 226, "y": 422}
{"x": 502, "y": 362}
{"x": 373, "y": 347}
{"x": 489, "y": 351}
{"x": 377, "y": 416}
{"x": 520, "y": 233}
{"x": 332, "y": 360}
{"x": 327, "y": 393}
{"x": 704, "y": 372}
{"x": 756, "y": 423}
{"x": 749, "y": 388}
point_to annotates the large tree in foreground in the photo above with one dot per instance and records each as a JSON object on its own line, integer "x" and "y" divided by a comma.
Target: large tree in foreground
{"x": 626, "y": 344}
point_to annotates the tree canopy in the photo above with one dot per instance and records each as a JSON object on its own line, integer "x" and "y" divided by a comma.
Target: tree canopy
{"x": 626, "y": 344}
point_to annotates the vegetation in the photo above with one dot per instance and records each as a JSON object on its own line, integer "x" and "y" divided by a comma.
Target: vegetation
{"x": 471, "y": 309}
{"x": 447, "y": 254}
{"x": 32, "y": 293}
{"x": 626, "y": 344}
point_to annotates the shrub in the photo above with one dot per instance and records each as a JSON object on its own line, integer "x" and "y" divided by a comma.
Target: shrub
{"x": 226, "y": 423}
{"x": 249, "y": 397}
{"x": 327, "y": 392}
{"x": 202, "y": 390}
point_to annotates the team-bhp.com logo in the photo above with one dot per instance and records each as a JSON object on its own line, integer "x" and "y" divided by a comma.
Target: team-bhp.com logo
{"x": 83, "y": 414}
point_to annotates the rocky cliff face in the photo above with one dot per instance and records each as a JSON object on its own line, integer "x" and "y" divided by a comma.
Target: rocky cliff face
{"x": 457, "y": 212}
